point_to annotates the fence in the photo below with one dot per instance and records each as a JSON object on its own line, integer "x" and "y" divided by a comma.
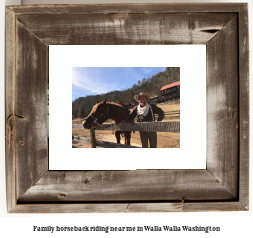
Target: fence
{"x": 169, "y": 113}
{"x": 168, "y": 126}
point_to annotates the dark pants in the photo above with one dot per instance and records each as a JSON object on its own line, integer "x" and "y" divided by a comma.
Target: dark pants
{"x": 148, "y": 136}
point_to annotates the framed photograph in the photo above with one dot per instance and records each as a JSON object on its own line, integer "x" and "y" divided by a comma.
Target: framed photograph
{"x": 222, "y": 184}
{"x": 107, "y": 73}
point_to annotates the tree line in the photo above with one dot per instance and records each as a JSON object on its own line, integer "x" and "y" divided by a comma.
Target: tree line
{"x": 82, "y": 106}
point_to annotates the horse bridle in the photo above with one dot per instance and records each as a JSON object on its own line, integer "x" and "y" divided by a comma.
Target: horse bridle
{"x": 103, "y": 114}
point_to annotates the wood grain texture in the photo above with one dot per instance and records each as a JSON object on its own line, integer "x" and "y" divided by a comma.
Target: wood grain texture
{"x": 186, "y": 207}
{"x": 223, "y": 186}
{"x": 158, "y": 126}
{"x": 70, "y": 208}
{"x": 222, "y": 107}
{"x": 129, "y": 207}
{"x": 244, "y": 106}
{"x": 92, "y": 138}
{"x": 9, "y": 109}
{"x": 132, "y": 29}
{"x": 30, "y": 108}
{"x": 154, "y": 8}
{"x": 139, "y": 185}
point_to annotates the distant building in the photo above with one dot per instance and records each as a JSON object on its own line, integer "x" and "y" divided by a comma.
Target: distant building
{"x": 171, "y": 91}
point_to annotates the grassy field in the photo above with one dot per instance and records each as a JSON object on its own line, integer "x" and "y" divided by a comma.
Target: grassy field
{"x": 170, "y": 107}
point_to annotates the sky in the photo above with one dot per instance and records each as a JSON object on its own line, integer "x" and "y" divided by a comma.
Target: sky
{"x": 96, "y": 80}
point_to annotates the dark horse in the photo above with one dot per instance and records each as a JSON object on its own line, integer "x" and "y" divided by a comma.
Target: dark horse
{"x": 103, "y": 111}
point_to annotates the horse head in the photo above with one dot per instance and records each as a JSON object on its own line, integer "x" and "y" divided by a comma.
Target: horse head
{"x": 98, "y": 115}
{"x": 88, "y": 124}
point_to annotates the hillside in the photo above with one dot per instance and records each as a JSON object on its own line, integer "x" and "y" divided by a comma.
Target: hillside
{"x": 82, "y": 106}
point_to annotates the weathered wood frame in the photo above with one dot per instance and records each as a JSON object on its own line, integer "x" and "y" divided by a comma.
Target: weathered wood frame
{"x": 223, "y": 186}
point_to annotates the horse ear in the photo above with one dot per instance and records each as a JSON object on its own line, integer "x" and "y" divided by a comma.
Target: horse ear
{"x": 97, "y": 101}
{"x": 104, "y": 102}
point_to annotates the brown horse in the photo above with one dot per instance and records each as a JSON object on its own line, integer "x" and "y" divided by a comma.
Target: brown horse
{"x": 103, "y": 111}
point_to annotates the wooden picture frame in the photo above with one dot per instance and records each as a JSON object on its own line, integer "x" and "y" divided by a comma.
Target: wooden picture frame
{"x": 222, "y": 186}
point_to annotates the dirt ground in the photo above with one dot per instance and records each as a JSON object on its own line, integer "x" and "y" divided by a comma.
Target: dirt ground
{"x": 164, "y": 139}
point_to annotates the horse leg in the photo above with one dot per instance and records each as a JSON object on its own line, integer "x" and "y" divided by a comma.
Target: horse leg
{"x": 117, "y": 135}
{"x": 127, "y": 137}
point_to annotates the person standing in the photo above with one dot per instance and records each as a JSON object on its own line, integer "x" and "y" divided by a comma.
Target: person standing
{"x": 145, "y": 112}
